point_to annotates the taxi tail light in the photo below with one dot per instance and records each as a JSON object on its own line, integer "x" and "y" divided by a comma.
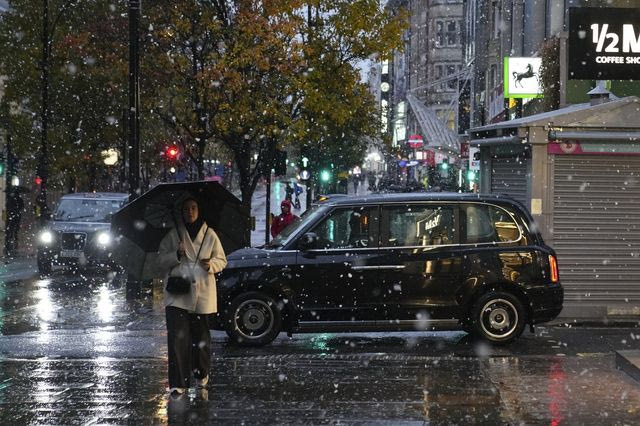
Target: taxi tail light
{"x": 553, "y": 266}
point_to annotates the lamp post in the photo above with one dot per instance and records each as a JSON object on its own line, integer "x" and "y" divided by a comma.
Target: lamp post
{"x": 134, "y": 99}
{"x": 42, "y": 169}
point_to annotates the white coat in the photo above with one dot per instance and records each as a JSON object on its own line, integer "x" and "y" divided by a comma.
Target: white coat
{"x": 202, "y": 298}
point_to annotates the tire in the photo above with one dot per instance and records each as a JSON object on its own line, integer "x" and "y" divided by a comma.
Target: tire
{"x": 498, "y": 317}
{"x": 44, "y": 265}
{"x": 253, "y": 319}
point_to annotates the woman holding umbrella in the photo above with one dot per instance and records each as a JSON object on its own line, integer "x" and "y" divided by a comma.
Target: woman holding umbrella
{"x": 191, "y": 251}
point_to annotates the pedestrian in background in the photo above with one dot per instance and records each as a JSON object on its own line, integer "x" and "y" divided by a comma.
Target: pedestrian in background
{"x": 15, "y": 205}
{"x": 298, "y": 191}
{"x": 288, "y": 191}
{"x": 192, "y": 250}
{"x": 284, "y": 219}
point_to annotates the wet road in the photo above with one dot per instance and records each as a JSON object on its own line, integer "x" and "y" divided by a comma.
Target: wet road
{"x": 85, "y": 349}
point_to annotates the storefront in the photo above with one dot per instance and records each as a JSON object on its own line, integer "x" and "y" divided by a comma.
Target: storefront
{"x": 577, "y": 170}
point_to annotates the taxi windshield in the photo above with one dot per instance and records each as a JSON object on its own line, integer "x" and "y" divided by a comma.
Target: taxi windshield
{"x": 308, "y": 216}
{"x": 86, "y": 210}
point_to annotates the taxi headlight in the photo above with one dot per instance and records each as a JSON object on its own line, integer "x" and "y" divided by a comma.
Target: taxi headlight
{"x": 46, "y": 237}
{"x": 104, "y": 239}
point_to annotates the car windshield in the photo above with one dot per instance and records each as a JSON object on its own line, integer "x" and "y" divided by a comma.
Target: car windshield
{"x": 309, "y": 216}
{"x": 86, "y": 210}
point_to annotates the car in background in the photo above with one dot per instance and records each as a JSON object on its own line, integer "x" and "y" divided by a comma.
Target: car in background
{"x": 78, "y": 231}
{"x": 395, "y": 262}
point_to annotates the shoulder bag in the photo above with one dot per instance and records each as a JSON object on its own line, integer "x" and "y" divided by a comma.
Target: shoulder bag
{"x": 182, "y": 285}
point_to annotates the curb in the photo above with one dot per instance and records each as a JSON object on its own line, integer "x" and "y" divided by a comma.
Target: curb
{"x": 629, "y": 362}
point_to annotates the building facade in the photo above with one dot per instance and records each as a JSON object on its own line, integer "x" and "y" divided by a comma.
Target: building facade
{"x": 424, "y": 81}
{"x": 573, "y": 165}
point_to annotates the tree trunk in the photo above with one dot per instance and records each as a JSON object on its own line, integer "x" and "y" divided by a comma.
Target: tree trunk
{"x": 200, "y": 159}
{"x": 243, "y": 160}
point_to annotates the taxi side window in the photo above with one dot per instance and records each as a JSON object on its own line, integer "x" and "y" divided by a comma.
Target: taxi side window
{"x": 419, "y": 225}
{"x": 488, "y": 224}
{"x": 346, "y": 228}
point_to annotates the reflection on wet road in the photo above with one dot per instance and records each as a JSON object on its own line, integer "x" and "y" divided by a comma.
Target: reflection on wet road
{"x": 87, "y": 349}
{"x": 325, "y": 389}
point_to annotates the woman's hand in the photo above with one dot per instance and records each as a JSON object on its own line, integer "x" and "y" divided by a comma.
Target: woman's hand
{"x": 181, "y": 250}
{"x": 206, "y": 264}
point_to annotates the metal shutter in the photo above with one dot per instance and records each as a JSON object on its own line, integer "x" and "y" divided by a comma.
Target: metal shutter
{"x": 596, "y": 226}
{"x": 509, "y": 176}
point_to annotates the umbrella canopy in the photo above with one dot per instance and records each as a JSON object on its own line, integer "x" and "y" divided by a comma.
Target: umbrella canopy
{"x": 140, "y": 226}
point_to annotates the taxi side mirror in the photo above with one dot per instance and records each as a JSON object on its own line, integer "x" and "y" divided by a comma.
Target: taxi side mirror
{"x": 308, "y": 241}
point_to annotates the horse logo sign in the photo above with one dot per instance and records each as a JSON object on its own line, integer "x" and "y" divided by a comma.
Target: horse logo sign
{"x": 521, "y": 77}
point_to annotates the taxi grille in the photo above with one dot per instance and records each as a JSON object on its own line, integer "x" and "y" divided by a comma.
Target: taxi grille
{"x": 73, "y": 241}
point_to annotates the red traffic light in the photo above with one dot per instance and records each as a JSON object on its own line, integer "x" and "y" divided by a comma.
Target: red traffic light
{"x": 38, "y": 180}
{"x": 172, "y": 152}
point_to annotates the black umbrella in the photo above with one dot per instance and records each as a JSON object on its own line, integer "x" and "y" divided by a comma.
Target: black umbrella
{"x": 140, "y": 226}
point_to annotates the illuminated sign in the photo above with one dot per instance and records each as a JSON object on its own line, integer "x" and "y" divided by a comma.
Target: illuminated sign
{"x": 604, "y": 43}
{"x": 522, "y": 78}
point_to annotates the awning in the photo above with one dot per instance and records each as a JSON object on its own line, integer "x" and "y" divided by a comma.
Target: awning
{"x": 435, "y": 132}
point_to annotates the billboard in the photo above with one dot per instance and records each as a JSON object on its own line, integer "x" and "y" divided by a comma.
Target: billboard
{"x": 604, "y": 43}
{"x": 522, "y": 77}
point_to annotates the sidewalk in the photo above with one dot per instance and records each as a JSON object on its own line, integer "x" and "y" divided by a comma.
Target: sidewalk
{"x": 18, "y": 268}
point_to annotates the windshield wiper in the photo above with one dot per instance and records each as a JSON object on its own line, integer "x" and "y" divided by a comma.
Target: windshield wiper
{"x": 79, "y": 217}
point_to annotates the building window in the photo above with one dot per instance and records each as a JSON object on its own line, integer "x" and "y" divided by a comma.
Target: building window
{"x": 447, "y": 33}
{"x": 440, "y": 37}
{"x": 451, "y": 84}
{"x": 439, "y": 75}
{"x": 492, "y": 77}
{"x": 452, "y": 33}
{"x": 497, "y": 18}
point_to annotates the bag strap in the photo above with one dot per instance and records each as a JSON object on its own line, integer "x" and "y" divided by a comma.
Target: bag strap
{"x": 200, "y": 249}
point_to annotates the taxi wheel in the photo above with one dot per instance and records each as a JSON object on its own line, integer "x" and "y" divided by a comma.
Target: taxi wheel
{"x": 254, "y": 319}
{"x": 498, "y": 317}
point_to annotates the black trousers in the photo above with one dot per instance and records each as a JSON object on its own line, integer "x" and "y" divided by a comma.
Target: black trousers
{"x": 189, "y": 345}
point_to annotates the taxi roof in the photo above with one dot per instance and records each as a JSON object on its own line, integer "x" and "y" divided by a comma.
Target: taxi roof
{"x": 97, "y": 196}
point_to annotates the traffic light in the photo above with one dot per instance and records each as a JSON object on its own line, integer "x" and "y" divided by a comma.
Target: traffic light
{"x": 2, "y": 164}
{"x": 471, "y": 175}
{"x": 172, "y": 152}
{"x": 444, "y": 165}
{"x": 325, "y": 175}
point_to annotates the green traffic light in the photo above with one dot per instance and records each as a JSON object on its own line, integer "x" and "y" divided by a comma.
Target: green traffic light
{"x": 445, "y": 166}
{"x": 1, "y": 169}
{"x": 471, "y": 175}
{"x": 325, "y": 175}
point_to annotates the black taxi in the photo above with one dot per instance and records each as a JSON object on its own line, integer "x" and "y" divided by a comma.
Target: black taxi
{"x": 78, "y": 231}
{"x": 395, "y": 262}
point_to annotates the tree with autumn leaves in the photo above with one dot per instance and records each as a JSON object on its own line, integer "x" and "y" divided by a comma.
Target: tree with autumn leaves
{"x": 243, "y": 76}
{"x": 253, "y": 76}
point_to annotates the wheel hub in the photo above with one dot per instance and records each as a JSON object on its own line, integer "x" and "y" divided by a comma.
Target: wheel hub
{"x": 499, "y": 318}
{"x": 253, "y": 319}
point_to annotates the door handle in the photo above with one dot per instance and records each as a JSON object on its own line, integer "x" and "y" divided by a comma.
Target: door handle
{"x": 363, "y": 268}
{"x": 392, "y": 267}
{"x": 285, "y": 270}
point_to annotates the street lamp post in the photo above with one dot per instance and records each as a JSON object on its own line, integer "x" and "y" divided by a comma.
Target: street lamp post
{"x": 42, "y": 172}
{"x": 134, "y": 99}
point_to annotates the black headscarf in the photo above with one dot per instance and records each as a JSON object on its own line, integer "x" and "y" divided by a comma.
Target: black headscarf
{"x": 193, "y": 228}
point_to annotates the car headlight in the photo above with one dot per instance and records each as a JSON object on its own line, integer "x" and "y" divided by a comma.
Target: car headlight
{"x": 46, "y": 237}
{"x": 104, "y": 239}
